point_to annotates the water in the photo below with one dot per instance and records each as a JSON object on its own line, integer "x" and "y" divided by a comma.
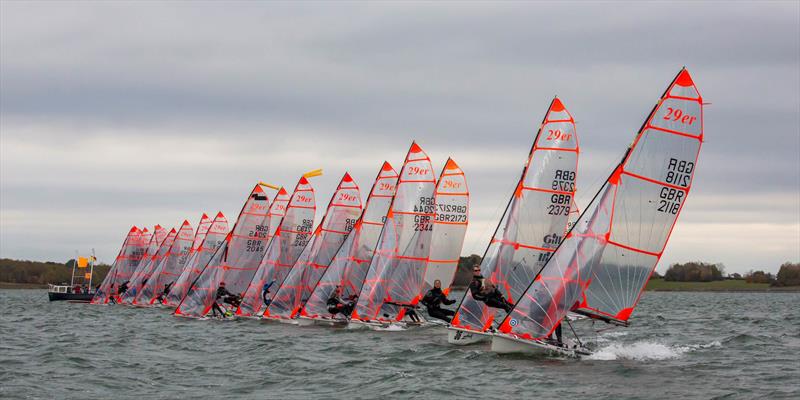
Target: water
{"x": 682, "y": 345}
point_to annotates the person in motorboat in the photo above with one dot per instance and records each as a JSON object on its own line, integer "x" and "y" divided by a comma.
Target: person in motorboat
{"x": 491, "y": 295}
{"x": 265, "y": 292}
{"x": 433, "y": 301}
{"x": 337, "y": 305}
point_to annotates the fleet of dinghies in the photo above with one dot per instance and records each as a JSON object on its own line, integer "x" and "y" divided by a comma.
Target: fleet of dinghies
{"x": 371, "y": 265}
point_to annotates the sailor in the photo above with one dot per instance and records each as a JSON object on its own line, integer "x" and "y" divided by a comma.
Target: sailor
{"x": 557, "y": 334}
{"x": 123, "y": 288}
{"x": 265, "y": 292}
{"x": 433, "y": 301}
{"x": 336, "y": 305}
{"x": 222, "y": 293}
{"x": 493, "y": 298}
{"x": 164, "y": 294}
{"x": 476, "y": 284}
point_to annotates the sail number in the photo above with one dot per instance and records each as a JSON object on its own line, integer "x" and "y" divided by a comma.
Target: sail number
{"x": 670, "y": 201}
{"x": 349, "y": 223}
{"x": 677, "y": 115}
{"x": 560, "y": 204}
{"x": 556, "y": 134}
{"x": 422, "y": 223}
{"x": 451, "y": 213}
{"x": 426, "y": 205}
{"x": 305, "y": 228}
{"x": 256, "y": 245}
{"x": 679, "y": 172}
{"x": 564, "y": 181}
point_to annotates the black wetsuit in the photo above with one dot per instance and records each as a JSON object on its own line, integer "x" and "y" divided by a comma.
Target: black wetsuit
{"x": 433, "y": 301}
{"x": 475, "y": 287}
{"x": 221, "y": 293}
{"x": 337, "y": 306}
{"x": 495, "y": 299}
{"x": 123, "y": 288}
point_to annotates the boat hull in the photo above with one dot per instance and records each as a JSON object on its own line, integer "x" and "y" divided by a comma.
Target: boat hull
{"x": 73, "y": 297}
{"x": 505, "y": 344}
{"x": 306, "y": 321}
{"x": 462, "y": 337}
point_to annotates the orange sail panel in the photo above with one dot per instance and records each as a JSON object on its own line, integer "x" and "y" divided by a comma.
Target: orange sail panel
{"x": 535, "y": 219}
{"x": 349, "y": 267}
{"x": 168, "y": 268}
{"x": 147, "y": 266}
{"x": 237, "y": 258}
{"x": 449, "y": 227}
{"x": 605, "y": 261}
{"x": 213, "y": 238}
{"x": 403, "y": 246}
{"x": 290, "y": 239}
{"x": 343, "y": 210}
{"x": 126, "y": 262}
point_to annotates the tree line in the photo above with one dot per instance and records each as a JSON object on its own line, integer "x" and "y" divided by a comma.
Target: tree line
{"x": 42, "y": 273}
{"x": 695, "y": 271}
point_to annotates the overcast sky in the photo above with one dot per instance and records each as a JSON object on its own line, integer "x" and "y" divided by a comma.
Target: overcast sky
{"x": 114, "y": 114}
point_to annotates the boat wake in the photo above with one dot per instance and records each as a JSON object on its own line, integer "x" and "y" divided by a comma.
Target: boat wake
{"x": 644, "y": 350}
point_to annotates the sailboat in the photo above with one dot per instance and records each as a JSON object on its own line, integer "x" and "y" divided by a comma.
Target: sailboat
{"x": 212, "y": 239}
{"x": 450, "y": 221}
{"x": 349, "y": 267}
{"x": 148, "y": 264}
{"x": 533, "y": 224}
{"x": 290, "y": 239}
{"x": 605, "y": 261}
{"x": 168, "y": 268}
{"x": 126, "y": 262}
{"x": 343, "y": 211}
{"x": 403, "y": 247}
{"x": 237, "y": 259}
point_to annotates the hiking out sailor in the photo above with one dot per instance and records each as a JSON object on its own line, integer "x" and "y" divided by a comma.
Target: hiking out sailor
{"x": 337, "y": 305}
{"x": 164, "y": 293}
{"x": 493, "y": 298}
{"x": 123, "y": 288}
{"x": 557, "y": 334}
{"x": 265, "y": 292}
{"x": 222, "y": 294}
{"x": 476, "y": 284}
{"x": 434, "y": 299}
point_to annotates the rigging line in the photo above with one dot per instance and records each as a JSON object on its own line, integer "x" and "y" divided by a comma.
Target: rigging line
{"x": 573, "y": 331}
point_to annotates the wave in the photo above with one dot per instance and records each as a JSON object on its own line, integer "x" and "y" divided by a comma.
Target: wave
{"x": 645, "y": 350}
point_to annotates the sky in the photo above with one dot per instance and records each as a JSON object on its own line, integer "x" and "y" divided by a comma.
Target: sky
{"x": 140, "y": 113}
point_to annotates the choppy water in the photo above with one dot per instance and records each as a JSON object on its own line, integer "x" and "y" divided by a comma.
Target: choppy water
{"x": 682, "y": 345}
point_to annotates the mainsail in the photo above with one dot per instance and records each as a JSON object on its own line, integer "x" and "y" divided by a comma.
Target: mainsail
{"x": 237, "y": 258}
{"x": 341, "y": 215}
{"x": 606, "y": 259}
{"x": 535, "y": 219}
{"x": 290, "y": 238}
{"x": 146, "y": 267}
{"x": 126, "y": 262}
{"x": 449, "y": 228}
{"x": 168, "y": 268}
{"x": 213, "y": 238}
{"x": 349, "y": 267}
{"x": 404, "y": 241}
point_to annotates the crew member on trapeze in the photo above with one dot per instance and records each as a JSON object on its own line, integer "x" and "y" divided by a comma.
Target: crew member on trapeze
{"x": 226, "y": 296}
{"x": 337, "y": 305}
{"x": 433, "y": 301}
{"x": 487, "y": 292}
{"x": 265, "y": 292}
{"x": 164, "y": 293}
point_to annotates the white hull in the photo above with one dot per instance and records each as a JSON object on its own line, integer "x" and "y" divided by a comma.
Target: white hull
{"x": 504, "y": 344}
{"x": 463, "y": 337}
{"x": 306, "y": 321}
